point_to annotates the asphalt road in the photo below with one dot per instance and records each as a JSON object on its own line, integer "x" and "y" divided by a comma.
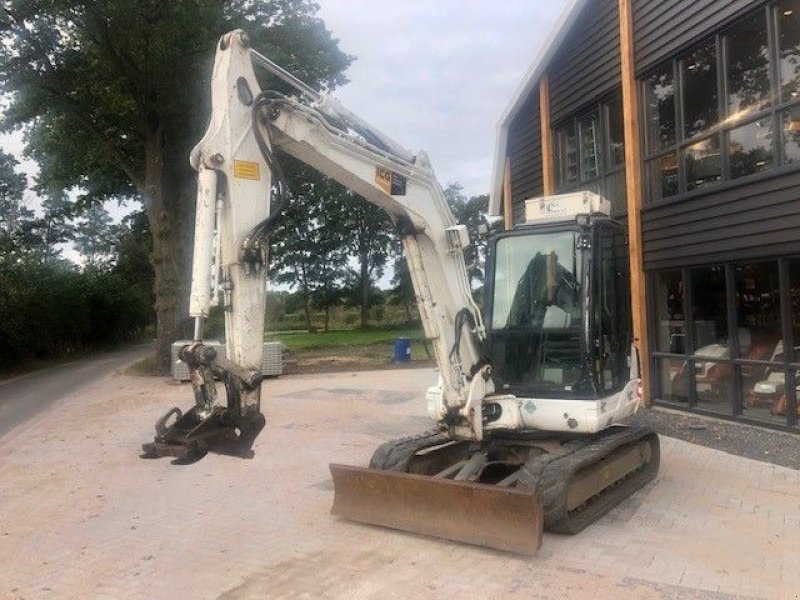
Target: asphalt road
{"x": 25, "y": 396}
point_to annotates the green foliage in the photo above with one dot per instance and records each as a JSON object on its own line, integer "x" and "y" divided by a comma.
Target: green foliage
{"x": 467, "y": 211}
{"x": 52, "y": 310}
{"x": 112, "y": 94}
{"x": 370, "y": 240}
{"x": 307, "y": 250}
{"x": 48, "y": 306}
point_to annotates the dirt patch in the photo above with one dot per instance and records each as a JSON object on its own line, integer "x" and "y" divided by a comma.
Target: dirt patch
{"x": 321, "y": 361}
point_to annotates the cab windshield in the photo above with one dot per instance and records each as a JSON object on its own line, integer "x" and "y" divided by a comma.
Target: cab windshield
{"x": 538, "y": 315}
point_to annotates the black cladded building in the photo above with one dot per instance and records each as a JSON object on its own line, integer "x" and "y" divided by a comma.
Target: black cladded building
{"x": 685, "y": 114}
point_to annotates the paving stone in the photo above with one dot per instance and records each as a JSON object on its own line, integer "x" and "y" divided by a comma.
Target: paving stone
{"x": 84, "y": 517}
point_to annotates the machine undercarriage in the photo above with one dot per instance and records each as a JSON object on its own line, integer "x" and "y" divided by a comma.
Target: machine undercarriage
{"x": 560, "y": 484}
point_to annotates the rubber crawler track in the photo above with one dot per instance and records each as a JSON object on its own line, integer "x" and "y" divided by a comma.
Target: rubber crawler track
{"x": 551, "y": 474}
{"x": 395, "y": 455}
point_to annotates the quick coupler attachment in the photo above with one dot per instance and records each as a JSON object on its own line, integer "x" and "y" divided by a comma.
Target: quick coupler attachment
{"x": 192, "y": 435}
{"x": 209, "y": 426}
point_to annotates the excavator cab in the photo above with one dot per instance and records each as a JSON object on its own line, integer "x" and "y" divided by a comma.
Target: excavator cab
{"x": 557, "y": 310}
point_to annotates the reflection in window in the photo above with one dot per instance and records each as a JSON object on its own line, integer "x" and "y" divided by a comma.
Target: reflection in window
{"x": 709, "y": 311}
{"x": 750, "y": 148}
{"x": 673, "y": 380}
{"x": 702, "y": 163}
{"x": 616, "y": 132}
{"x": 790, "y": 123}
{"x": 748, "y": 66}
{"x": 660, "y": 102}
{"x": 663, "y": 176}
{"x": 567, "y": 155}
{"x": 671, "y": 334}
{"x": 788, "y": 16}
{"x": 536, "y": 275}
{"x": 699, "y": 73}
{"x": 588, "y": 128}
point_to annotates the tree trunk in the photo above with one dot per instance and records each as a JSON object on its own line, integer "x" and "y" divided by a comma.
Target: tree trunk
{"x": 307, "y": 311}
{"x": 327, "y": 317}
{"x": 166, "y": 202}
{"x": 364, "y": 290}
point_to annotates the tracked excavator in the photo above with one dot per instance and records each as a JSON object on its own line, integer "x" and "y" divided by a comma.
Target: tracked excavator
{"x": 530, "y": 390}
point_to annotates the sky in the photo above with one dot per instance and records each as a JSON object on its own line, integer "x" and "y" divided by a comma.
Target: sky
{"x": 433, "y": 75}
{"x": 438, "y": 75}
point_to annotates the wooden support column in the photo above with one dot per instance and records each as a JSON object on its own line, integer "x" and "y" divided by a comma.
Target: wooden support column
{"x": 508, "y": 207}
{"x": 548, "y": 173}
{"x": 633, "y": 186}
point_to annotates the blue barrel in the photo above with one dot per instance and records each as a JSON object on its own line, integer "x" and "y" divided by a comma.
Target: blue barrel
{"x": 402, "y": 350}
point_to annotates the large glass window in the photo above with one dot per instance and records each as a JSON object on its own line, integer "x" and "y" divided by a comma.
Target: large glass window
{"x": 659, "y": 93}
{"x": 590, "y": 153}
{"x": 616, "y": 132}
{"x": 700, "y": 103}
{"x": 750, "y": 148}
{"x": 748, "y": 66}
{"x": 746, "y": 369}
{"x": 589, "y": 130}
{"x": 670, "y": 323}
{"x": 567, "y": 142}
{"x": 710, "y": 323}
{"x": 788, "y": 18}
{"x": 718, "y": 112}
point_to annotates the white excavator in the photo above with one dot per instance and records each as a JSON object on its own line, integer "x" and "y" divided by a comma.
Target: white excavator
{"x": 530, "y": 390}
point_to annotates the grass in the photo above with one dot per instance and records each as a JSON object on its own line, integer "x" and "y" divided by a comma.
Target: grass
{"x": 303, "y": 340}
{"x": 350, "y": 349}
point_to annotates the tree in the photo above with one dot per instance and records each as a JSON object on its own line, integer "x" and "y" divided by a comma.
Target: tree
{"x": 468, "y": 212}
{"x": 307, "y": 250}
{"x": 403, "y": 291}
{"x": 13, "y": 212}
{"x": 113, "y": 93}
{"x": 54, "y": 227}
{"x": 95, "y": 237}
{"x": 370, "y": 239}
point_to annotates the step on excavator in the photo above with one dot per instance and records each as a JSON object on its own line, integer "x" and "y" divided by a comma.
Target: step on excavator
{"x": 531, "y": 389}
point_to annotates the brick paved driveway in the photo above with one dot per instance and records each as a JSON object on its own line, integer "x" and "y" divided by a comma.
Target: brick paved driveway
{"x": 81, "y": 516}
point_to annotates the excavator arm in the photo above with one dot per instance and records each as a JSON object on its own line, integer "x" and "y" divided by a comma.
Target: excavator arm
{"x": 239, "y": 184}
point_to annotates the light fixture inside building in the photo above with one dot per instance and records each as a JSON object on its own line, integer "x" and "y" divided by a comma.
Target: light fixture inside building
{"x": 787, "y": 12}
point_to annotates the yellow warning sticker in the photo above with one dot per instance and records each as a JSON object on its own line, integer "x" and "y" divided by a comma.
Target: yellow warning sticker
{"x": 245, "y": 169}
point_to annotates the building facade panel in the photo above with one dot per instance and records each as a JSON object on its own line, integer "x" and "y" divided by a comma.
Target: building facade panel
{"x": 525, "y": 154}
{"x": 664, "y": 27}
{"x": 756, "y": 219}
{"x": 587, "y": 65}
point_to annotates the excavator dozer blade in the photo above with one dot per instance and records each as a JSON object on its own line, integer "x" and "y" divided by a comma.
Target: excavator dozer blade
{"x": 485, "y": 515}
